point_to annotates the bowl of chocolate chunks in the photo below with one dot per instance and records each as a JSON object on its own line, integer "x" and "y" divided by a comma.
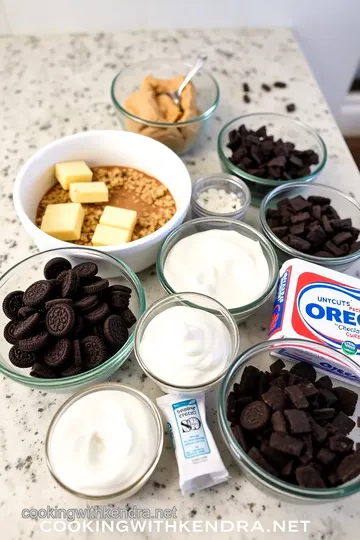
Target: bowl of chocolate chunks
{"x": 316, "y": 223}
{"x": 267, "y": 150}
{"x": 292, "y": 430}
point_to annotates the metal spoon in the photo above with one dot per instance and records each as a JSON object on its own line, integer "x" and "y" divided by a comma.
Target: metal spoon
{"x": 199, "y": 63}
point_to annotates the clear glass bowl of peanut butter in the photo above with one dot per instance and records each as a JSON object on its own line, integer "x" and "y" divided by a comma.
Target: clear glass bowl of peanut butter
{"x": 138, "y": 95}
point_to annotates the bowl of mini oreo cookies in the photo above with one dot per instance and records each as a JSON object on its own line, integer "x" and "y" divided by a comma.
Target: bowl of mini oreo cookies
{"x": 65, "y": 326}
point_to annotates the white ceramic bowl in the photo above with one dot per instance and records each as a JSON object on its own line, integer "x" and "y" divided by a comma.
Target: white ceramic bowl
{"x": 102, "y": 147}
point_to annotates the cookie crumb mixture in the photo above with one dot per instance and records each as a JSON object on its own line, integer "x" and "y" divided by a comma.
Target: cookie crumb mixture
{"x": 219, "y": 201}
{"x": 128, "y": 188}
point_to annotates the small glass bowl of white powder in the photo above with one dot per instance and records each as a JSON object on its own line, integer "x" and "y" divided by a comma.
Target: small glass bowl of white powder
{"x": 220, "y": 194}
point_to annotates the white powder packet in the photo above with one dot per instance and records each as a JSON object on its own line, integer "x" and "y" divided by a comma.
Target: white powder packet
{"x": 199, "y": 462}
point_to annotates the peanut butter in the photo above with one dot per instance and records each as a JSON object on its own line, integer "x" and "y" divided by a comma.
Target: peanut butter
{"x": 151, "y": 103}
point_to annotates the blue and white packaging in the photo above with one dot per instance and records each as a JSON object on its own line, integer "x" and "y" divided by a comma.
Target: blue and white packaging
{"x": 199, "y": 462}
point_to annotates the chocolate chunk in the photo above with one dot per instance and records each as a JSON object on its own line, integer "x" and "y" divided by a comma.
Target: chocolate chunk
{"x": 259, "y": 459}
{"x": 128, "y": 318}
{"x": 34, "y": 343}
{"x": 280, "y": 231}
{"x": 249, "y": 380}
{"x": 277, "y": 366}
{"x": 41, "y": 371}
{"x": 343, "y": 423}
{"x": 341, "y": 224}
{"x": 20, "y": 358}
{"x": 298, "y": 243}
{"x": 38, "y": 293}
{"x": 275, "y": 398}
{"x": 298, "y": 421}
{"x": 60, "y": 320}
{"x": 317, "y": 236}
{"x": 324, "y": 382}
{"x": 325, "y": 456}
{"x": 266, "y": 87}
{"x": 12, "y": 303}
{"x": 327, "y": 398}
{"x": 287, "y": 469}
{"x": 279, "y": 382}
{"x": 333, "y": 248}
{"x": 296, "y": 161}
{"x": 278, "y": 161}
{"x": 86, "y": 269}
{"x": 286, "y": 443}
{"x": 347, "y": 399}
{"x": 349, "y": 468}
{"x": 326, "y": 225}
{"x": 332, "y": 212}
{"x": 255, "y": 416}
{"x": 93, "y": 352}
{"x": 297, "y": 397}
{"x": 55, "y": 266}
{"x": 307, "y": 452}
{"x": 316, "y": 212}
{"x": 59, "y": 354}
{"x": 325, "y": 254}
{"x": 326, "y": 413}
{"x": 355, "y": 247}
{"x": 99, "y": 313}
{"x": 298, "y": 218}
{"x": 341, "y": 237}
{"x": 70, "y": 284}
{"x": 308, "y": 476}
{"x": 341, "y": 444}
{"x": 280, "y": 84}
{"x": 318, "y": 200}
{"x": 304, "y": 370}
{"x": 115, "y": 331}
{"x": 291, "y": 107}
{"x": 278, "y": 422}
{"x": 239, "y": 436}
{"x": 297, "y": 229}
{"x": 308, "y": 389}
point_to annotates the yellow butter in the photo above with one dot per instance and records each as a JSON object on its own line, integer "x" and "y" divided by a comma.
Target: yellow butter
{"x": 119, "y": 217}
{"x": 110, "y": 236}
{"x": 63, "y": 221}
{"x": 72, "y": 171}
{"x": 89, "y": 192}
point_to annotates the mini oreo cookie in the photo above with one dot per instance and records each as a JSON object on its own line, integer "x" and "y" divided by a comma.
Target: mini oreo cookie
{"x": 71, "y": 371}
{"x": 115, "y": 331}
{"x": 20, "y": 358}
{"x": 255, "y": 416}
{"x": 42, "y": 371}
{"x": 119, "y": 288}
{"x": 79, "y": 326}
{"x": 87, "y": 303}
{"x": 56, "y": 301}
{"x": 59, "y": 354}
{"x": 27, "y": 326}
{"x": 34, "y": 343}
{"x": 38, "y": 293}
{"x": 55, "y": 266}
{"x": 119, "y": 300}
{"x": 94, "y": 352}
{"x": 77, "y": 353}
{"x": 70, "y": 284}
{"x": 9, "y": 332}
{"x": 128, "y": 317}
{"x": 98, "y": 314}
{"x": 96, "y": 287}
{"x": 24, "y": 312}
{"x": 60, "y": 320}
{"x": 12, "y": 303}
{"x": 86, "y": 269}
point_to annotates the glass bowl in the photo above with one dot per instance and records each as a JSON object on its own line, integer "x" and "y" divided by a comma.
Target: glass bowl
{"x": 221, "y": 223}
{"x": 140, "y": 482}
{"x": 195, "y": 301}
{"x": 227, "y": 183}
{"x": 345, "y": 205}
{"x": 23, "y": 274}
{"x": 281, "y": 127}
{"x": 259, "y": 356}
{"x": 179, "y": 136}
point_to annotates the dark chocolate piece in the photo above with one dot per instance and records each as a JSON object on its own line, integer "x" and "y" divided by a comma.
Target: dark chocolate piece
{"x": 259, "y": 459}
{"x": 278, "y": 422}
{"x": 277, "y": 366}
{"x": 297, "y": 397}
{"x": 347, "y": 399}
{"x": 343, "y": 423}
{"x": 275, "y": 398}
{"x": 304, "y": 370}
{"x": 298, "y": 421}
{"x": 308, "y": 476}
{"x": 286, "y": 443}
{"x": 349, "y": 468}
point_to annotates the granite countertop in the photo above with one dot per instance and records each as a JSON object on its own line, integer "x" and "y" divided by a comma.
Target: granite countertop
{"x": 57, "y": 85}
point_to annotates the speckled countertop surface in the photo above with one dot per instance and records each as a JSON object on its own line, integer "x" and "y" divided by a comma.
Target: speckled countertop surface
{"x": 54, "y": 86}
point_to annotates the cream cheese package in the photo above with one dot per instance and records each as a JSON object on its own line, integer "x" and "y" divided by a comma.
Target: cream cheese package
{"x": 322, "y": 305}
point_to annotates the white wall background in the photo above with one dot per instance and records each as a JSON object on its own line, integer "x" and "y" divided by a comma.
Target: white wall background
{"x": 328, "y": 30}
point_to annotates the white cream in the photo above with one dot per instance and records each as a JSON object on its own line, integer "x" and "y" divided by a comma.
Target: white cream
{"x": 103, "y": 443}
{"x": 186, "y": 346}
{"x": 222, "y": 264}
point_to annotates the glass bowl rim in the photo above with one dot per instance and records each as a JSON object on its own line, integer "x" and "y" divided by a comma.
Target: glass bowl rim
{"x": 88, "y": 376}
{"x": 99, "y": 388}
{"x": 230, "y": 179}
{"x": 246, "y": 462}
{"x": 273, "y": 264}
{"x": 288, "y": 249}
{"x": 170, "y": 300}
{"x": 269, "y": 181}
{"x": 203, "y": 116}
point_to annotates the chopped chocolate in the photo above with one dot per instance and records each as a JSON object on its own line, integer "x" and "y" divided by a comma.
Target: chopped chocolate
{"x": 326, "y": 413}
{"x": 298, "y": 421}
{"x": 308, "y": 476}
{"x": 278, "y": 422}
{"x": 343, "y": 423}
{"x": 327, "y": 398}
{"x": 308, "y": 389}
{"x": 286, "y": 443}
{"x": 239, "y": 436}
{"x": 347, "y": 399}
{"x": 298, "y": 243}
{"x": 341, "y": 237}
{"x": 349, "y": 468}
{"x": 275, "y": 398}
{"x": 277, "y": 366}
{"x": 280, "y": 231}
{"x": 256, "y": 456}
{"x": 297, "y": 397}
{"x": 327, "y": 225}
{"x": 304, "y": 370}
{"x": 308, "y": 451}
{"x": 341, "y": 444}
{"x": 298, "y": 218}
{"x": 249, "y": 380}
{"x": 325, "y": 456}
{"x": 318, "y": 432}
{"x": 324, "y": 382}
{"x": 316, "y": 212}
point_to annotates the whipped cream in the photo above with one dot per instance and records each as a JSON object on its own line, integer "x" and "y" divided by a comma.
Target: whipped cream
{"x": 103, "y": 443}
{"x": 222, "y": 264}
{"x": 185, "y": 346}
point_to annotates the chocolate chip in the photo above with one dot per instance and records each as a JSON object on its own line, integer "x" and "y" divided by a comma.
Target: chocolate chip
{"x": 246, "y": 98}
{"x": 246, "y": 87}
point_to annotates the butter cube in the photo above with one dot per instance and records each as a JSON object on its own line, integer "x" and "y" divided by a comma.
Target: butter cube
{"x": 72, "y": 171}
{"x": 63, "y": 221}
{"x": 119, "y": 217}
{"x": 89, "y": 192}
{"x": 110, "y": 236}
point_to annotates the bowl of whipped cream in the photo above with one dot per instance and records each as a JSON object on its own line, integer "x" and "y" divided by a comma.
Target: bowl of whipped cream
{"x": 185, "y": 342}
{"x": 223, "y": 258}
